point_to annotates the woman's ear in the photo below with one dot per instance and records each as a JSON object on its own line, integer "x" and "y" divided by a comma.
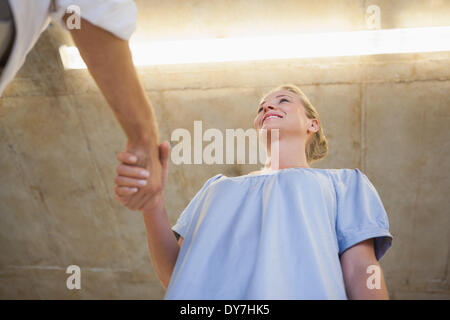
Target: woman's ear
{"x": 314, "y": 126}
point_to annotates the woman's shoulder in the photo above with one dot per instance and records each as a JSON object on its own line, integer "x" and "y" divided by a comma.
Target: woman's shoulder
{"x": 348, "y": 179}
{"x": 345, "y": 171}
{"x": 348, "y": 172}
{"x": 288, "y": 172}
{"x": 337, "y": 173}
{"x": 344, "y": 174}
{"x": 213, "y": 178}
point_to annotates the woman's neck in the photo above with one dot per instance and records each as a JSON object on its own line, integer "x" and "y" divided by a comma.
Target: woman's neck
{"x": 287, "y": 152}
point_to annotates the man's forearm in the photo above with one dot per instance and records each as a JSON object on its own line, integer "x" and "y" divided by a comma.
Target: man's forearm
{"x": 109, "y": 61}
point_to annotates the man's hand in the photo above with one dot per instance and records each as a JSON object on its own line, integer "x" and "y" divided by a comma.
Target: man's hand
{"x": 135, "y": 162}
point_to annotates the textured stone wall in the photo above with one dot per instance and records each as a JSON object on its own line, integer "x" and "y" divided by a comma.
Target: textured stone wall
{"x": 387, "y": 115}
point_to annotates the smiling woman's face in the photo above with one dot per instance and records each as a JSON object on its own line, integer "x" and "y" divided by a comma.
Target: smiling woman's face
{"x": 283, "y": 110}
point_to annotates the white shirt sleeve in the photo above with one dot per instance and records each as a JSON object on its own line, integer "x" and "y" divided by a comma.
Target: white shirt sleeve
{"x": 116, "y": 16}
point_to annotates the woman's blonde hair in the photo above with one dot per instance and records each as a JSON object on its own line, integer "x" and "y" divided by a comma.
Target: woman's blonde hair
{"x": 317, "y": 146}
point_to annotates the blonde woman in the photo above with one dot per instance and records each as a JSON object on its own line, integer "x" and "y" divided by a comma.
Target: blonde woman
{"x": 288, "y": 231}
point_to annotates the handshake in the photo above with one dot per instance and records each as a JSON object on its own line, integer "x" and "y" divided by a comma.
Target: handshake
{"x": 139, "y": 183}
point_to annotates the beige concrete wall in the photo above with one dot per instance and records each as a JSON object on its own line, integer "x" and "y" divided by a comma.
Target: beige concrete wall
{"x": 387, "y": 115}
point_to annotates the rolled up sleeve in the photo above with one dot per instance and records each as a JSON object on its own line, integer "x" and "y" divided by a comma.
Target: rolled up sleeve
{"x": 116, "y": 16}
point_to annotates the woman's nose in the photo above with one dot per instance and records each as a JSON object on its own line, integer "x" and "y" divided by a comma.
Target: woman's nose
{"x": 268, "y": 107}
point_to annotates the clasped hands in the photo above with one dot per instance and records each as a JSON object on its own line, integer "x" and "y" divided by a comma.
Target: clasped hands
{"x": 141, "y": 178}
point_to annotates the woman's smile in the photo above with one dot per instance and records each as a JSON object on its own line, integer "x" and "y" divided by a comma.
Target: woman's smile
{"x": 271, "y": 115}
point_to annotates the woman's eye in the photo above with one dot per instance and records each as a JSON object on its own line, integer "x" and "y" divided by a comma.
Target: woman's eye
{"x": 281, "y": 100}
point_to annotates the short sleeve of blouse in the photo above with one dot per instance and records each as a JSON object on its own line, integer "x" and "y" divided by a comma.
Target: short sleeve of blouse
{"x": 186, "y": 216}
{"x": 360, "y": 213}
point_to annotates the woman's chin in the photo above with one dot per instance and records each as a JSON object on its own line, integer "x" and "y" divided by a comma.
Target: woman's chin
{"x": 270, "y": 126}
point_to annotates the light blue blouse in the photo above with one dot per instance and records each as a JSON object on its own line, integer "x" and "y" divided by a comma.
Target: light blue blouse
{"x": 277, "y": 235}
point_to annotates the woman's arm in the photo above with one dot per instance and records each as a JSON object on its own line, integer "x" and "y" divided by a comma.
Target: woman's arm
{"x": 161, "y": 241}
{"x": 355, "y": 262}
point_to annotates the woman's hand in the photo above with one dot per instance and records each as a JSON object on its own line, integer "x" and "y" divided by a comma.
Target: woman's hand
{"x": 131, "y": 178}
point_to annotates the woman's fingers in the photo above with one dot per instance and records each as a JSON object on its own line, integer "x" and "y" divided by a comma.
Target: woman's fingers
{"x": 126, "y": 157}
{"x": 124, "y": 191}
{"x": 132, "y": 171}
{"x": 120, "y": 198}
{"x": 122, "y": 181}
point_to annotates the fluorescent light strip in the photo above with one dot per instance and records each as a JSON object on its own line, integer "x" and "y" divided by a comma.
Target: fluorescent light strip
{"x": 293, "y": 46}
